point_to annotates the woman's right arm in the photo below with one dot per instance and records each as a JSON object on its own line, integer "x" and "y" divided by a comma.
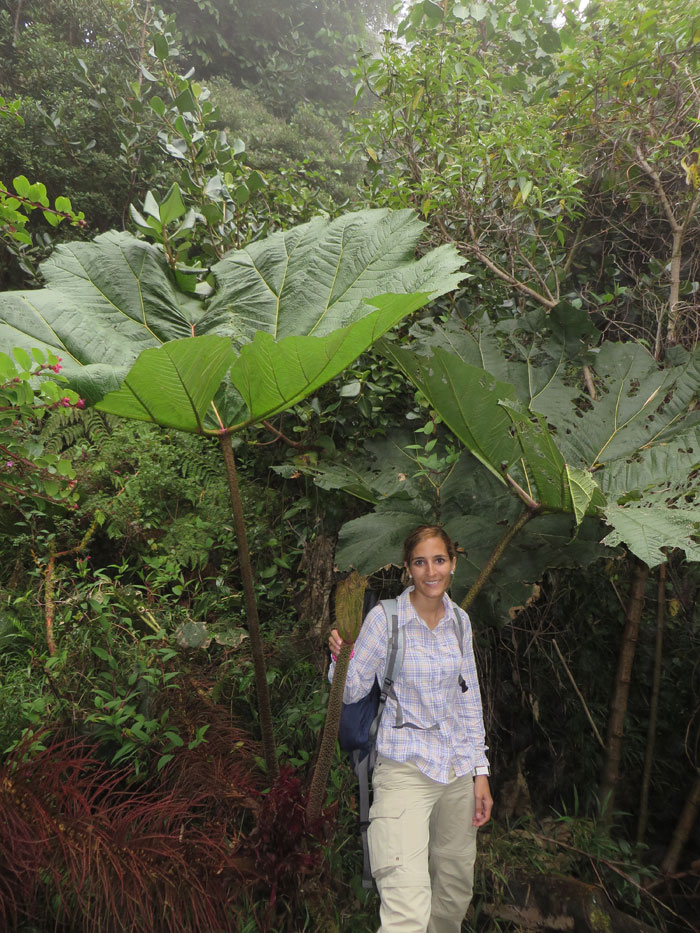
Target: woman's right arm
{"x": 369, "y": 655}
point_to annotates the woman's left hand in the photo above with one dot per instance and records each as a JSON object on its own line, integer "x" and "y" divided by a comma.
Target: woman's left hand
{"x": 483, "y": 801}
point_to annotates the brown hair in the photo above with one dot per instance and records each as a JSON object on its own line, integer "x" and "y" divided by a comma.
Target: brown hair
{"x": 420, "y": 534}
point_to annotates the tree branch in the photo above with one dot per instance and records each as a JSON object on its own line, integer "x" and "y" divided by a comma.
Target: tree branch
{"x": 658, "y": 185}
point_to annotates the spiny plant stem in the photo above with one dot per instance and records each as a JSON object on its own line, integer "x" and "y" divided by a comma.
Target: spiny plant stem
{"x": 317, "y": 789}
{"x": 256, "y": 644}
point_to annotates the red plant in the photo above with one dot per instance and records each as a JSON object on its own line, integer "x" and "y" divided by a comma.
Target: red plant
{"x": 112, "y": 858}
{"x": 222, "y": 772}
{"x": 285, "y": 846}
{"x": 83, "y": 850}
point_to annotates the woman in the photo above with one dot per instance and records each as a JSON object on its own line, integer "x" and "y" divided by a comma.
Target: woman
{"x": 430, "y": 783}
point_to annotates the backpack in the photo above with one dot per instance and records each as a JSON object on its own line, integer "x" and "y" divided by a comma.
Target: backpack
{"x": 359, "y": 722}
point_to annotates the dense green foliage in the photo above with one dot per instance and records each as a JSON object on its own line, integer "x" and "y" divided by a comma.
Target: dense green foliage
{"x": 543, "y": 406}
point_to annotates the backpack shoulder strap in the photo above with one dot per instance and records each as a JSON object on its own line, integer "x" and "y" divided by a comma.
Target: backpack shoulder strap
{"x": 459, "y": 616}
{"x": 396, "y": 639}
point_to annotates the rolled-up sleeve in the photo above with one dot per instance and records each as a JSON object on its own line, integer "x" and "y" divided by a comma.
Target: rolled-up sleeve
{"x": 369, "y": 658}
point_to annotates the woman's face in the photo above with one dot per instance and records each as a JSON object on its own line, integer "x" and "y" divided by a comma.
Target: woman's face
{"x": 431, "y": 568}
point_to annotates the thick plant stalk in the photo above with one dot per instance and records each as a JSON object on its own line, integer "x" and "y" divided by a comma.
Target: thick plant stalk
{"x": 493, "y": 560}
{"x": 317, "y": 790}
{"x": 618, "y": 707}
{"x": 349, "y": 600}
{"x": 653, "y": 706}
{"x": 683, "y": 829}
{"x": 256, "y": 644}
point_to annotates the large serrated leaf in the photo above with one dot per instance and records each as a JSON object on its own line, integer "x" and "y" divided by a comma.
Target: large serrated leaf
{"x": 638, "y": 404}
{"x": 108, "y": 300}
{"x": 373, "y": 541}
{"x": 271, "y": 375}
{"x": 476, "y": 510}
{"x": 542, "y": 462}
{"x": 315, "y": 278}
{"x": 467, "y": 399}
{"x": 384, "y": 470}
{"x": 673, "y": 457}
{"x": 660, "y": 519}
{"x": 173, "y": 385}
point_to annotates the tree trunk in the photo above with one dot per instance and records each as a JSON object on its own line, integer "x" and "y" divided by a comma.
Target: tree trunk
{"x": 674, "y": 290}
{"x": 256, "y": 643}
{"x": 618, "y": 707}
{"x": 18, "y": 17}
{"x": 682, "y": 830}
{"x": 653, "y": 706}
{"x": 313, "y": 603}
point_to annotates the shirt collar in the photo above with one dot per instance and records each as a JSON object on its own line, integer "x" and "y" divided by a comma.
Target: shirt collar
{"x": 407, "y": 612}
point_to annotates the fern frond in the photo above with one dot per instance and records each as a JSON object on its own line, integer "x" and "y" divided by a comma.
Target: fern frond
{"x": 66, "y": 427}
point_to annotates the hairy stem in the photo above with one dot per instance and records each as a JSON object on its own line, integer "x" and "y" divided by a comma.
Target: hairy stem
{"x": 314, "y": 801}
{"x": 256, "y": 643}
{"x": 493, "y": 560}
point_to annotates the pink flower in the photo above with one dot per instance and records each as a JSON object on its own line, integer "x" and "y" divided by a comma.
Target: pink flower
{"x": 10, "y": 463}
{"x": 80, "y": 403}
{"x": 65, "y": 402}
{"x": 57, "y": 368}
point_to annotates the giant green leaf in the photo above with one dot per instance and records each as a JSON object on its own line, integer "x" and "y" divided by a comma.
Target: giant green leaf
{"x": 374, "y": 541}
{"x": 385, "y": 469}
{"x": 107, "y": 300}
{"x": 314, "y": 279}
{"x": 475, "y": 509}
{"x": 550, "y": 480}
{"x": 272, "y": 375}
{"x": 467, "y": 399}
{"x": 173, "y": 385}
{"x": 542, "y": 464}
{"x": 104, "y": 302}
{"x": 674, "y": 456}
{"x": 490, "y": 421}
{"x": 664, "y": 517}
{"x": 639, "y": 404}
{"x": 532, "y": 352}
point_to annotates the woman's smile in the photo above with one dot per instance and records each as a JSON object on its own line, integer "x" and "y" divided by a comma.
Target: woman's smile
{"x": 430, "y": 568}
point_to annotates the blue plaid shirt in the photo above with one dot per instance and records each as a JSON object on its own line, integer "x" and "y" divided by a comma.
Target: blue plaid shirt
{"x": 428, "y": 690}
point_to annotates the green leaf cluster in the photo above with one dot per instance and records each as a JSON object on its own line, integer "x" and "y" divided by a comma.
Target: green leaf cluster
{"x": 27, "y": 470}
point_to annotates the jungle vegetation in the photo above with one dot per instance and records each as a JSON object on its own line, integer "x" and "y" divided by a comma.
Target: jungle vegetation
{"x": 275, "y": 287}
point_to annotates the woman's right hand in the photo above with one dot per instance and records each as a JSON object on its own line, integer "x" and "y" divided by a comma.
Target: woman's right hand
{"x": 335, "y": 642}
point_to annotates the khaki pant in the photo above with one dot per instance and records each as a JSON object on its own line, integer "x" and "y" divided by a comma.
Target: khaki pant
{"x": 422, "y": 848}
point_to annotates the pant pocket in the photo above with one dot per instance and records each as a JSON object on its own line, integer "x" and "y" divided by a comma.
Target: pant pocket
{"x": 385, "y": 838}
